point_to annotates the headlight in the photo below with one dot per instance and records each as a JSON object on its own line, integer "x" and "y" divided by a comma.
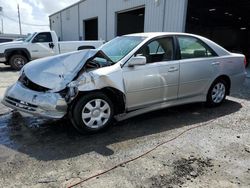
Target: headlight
{"x": 80, "y": 81}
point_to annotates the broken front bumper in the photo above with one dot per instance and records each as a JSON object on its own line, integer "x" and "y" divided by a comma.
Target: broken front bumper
{"x": 45, "y": 104}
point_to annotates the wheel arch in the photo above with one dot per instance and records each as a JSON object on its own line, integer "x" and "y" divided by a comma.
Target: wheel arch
{"x": 227, "y": 79}
{"x": 85, "y": 47}
{"x": 117, "y": 97}
{"x": 20, "y": 51}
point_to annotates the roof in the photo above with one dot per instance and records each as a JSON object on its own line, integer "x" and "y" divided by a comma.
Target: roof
{"x": 156, "y": 34}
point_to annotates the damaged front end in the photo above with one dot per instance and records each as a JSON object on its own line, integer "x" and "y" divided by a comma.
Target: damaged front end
{"x": 47, "y": 86}
{"x": 19, "y": 97}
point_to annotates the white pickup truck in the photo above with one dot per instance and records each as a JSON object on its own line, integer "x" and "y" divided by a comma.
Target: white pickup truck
{"x": 38, "y": 45}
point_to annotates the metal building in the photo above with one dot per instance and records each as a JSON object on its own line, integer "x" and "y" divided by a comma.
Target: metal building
{"x": 105, "y": 19}
{"x": 227, "y": 22}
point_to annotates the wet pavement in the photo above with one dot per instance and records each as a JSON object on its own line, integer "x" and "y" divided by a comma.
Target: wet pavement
{"x": 37, "y": 152}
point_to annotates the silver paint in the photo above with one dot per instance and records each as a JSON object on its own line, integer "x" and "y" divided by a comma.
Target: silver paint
{"x": 96, "y": 113}
{"x": 145, "y": 87}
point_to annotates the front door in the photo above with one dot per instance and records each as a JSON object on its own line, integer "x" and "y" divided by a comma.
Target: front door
{"x": 42, "y": 46}
{"x": 155, "y": 82}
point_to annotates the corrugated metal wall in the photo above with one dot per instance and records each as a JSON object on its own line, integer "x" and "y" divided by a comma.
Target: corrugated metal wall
{"x": 91, "y": 9}
{"x": 55, "y": 22}
{"x": 153, "y": 14}
{"x": 175, "y": 15}
{"x": 160, "y": 15}
{"x": 70, "y": 23}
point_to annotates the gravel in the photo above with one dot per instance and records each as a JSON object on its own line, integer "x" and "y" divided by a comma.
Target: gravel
{"x": 36, "y": 152}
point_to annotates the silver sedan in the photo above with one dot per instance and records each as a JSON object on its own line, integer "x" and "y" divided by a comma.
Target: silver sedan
{"x": 127, "y": 76}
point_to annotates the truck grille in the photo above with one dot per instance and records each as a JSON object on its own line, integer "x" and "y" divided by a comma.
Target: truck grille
{"x": 31, "y": 85}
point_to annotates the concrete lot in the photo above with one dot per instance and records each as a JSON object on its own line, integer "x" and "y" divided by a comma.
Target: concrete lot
{"x": 36, "y": 152}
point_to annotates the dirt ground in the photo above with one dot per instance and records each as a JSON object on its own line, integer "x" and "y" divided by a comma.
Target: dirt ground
{"x": 36, "y": 152}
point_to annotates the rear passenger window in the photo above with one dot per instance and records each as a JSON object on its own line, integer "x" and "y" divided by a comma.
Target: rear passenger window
{"x": 194, "y": 48}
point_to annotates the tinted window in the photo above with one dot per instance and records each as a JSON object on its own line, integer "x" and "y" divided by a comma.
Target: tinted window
{"x": 191, "y": 47}
{"x": 43, "y": 37}
{"x": 158, "y": 50}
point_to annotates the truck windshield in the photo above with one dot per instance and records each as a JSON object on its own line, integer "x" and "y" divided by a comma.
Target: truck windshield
{"x": 119, "y": 47}
{"x": 30, "y": 37}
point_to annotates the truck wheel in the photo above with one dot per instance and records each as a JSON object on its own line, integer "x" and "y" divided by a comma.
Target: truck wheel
{"x": 217, "y": 93}
{"x": 17, "y": 61}
{"x": 93, "y": 113}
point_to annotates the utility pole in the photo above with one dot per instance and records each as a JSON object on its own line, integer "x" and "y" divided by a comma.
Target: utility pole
{"x": 2, "y": 24}
{"x": 1, "y": 13}
{"x": 19, "y": 19}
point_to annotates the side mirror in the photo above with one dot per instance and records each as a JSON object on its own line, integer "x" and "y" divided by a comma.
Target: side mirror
{"x": 137, "y": 60}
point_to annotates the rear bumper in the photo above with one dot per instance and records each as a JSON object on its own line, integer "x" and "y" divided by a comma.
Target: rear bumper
{"x": 237, "y": 81}
{"x": 50, "y": 105}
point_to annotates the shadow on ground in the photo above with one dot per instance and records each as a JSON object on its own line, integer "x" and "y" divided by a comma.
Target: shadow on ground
{"x": 6, "y": 69}
{"x": 47, "y": 140}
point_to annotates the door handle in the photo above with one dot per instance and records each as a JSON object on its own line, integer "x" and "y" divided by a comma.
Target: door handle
{"x": 215, "y": 63}
{"x": 172, "y": 69}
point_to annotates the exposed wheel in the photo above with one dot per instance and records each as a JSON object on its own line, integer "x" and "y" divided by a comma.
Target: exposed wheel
{"x": 17, "y": 61}
{"x": 217, "y": 93}
{"x": 92, "y": 113}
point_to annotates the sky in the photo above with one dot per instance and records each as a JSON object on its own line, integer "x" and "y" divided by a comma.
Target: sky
{"x": 34, "y": 14}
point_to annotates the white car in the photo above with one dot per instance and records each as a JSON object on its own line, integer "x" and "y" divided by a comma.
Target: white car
{"x": 39, "y": 45}
{"x": 127, "y": 76}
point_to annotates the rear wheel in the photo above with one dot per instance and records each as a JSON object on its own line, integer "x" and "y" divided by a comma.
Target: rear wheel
{"x": 18, "y": 61}
{"x": 93, "y": 113}
{"x": 217, "y": 93}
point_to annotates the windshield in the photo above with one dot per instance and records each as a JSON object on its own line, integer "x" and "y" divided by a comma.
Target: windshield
{"x": 119, "y": 47}
{"x": 30, "y": 37}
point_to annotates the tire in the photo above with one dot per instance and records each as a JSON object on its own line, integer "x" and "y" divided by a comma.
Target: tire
{"x": 217, "y": 93}
{"x": 93, "y": 113}
{"x": 17, "y": 61}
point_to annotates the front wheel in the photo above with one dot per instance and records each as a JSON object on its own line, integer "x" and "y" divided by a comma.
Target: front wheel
{"x": 217, "y": 93}
{"x": 17, "y": 61}
{"x": 93, "y": 113}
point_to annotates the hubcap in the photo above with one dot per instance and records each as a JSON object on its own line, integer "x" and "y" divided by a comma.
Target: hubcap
{"x": 218, "y": 93}
{"x": 96, "y": 113}
{"x": 19, "y": 62}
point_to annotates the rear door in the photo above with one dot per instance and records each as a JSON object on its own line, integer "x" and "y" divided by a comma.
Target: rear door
{"x": 155, "y": 82}
{"x": 197, "y": 66}
{"x": 42, "y": 46}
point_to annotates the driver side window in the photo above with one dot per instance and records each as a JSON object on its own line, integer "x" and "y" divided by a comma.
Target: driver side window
{"x": 43, "y": 37}
{"x": 158, "y": 50}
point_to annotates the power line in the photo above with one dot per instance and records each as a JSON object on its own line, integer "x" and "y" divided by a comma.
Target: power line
{"x": 24, "y": 23}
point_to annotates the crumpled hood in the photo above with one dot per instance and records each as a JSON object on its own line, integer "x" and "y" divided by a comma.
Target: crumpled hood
{"x": 57, "y": 71}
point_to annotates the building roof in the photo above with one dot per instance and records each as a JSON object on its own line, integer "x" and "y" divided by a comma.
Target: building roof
{"x": 80, "y": 1}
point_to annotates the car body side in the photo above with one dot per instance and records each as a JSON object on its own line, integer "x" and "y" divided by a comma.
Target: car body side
{"x": 136, "y": 87}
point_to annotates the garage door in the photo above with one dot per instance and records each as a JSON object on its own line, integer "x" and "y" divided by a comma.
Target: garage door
{"x": 227, "y": 22}
{"x": 130, "y": 22}
{"x": 91, "y": 29}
